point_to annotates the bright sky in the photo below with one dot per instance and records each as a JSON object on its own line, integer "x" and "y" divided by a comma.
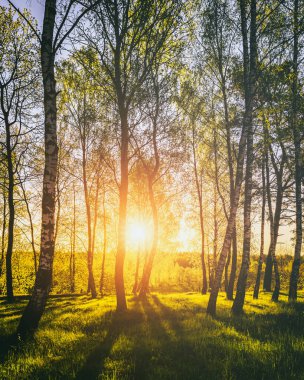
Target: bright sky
{"x": 35, "y": 6}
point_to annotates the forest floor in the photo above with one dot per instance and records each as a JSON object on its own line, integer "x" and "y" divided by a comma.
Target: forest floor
{"x": 167, "y": 336}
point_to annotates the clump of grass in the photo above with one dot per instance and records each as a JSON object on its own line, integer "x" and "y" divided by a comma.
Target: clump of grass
{"x": 163, "y": 337}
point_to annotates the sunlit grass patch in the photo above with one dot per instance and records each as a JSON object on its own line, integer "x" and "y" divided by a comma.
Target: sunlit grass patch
{"x": 166, "y": 336}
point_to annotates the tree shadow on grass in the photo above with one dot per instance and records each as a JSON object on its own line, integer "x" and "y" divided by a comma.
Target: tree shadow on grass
{"x": 283, "y": 331}
{"x": 154, "y": 319}
{"x": 191, "y": 363}
{"x": 153, "y": 346}
{"x": 169, "y": 312}
{"x": 179, "y": 357}
{"x": 268, "y": 326}
{"x": 11, "y": 313}
{"x": 95, "y": 362}
{"x": 65, "y": 364}
{"x": 9, "y": 343}
{"x": 146, "y": 346}
{"x": 216, "y": 352}
{"x": 157, "y": 341}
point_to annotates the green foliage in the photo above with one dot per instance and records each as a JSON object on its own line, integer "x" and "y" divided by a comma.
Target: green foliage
{"x": 165, "y": 337}
{"x": 173, "y": 271}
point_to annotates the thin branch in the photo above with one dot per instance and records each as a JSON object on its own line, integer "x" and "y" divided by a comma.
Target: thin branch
{"x": 26, "y": 19}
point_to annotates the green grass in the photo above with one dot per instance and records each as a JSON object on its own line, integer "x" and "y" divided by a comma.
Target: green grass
{"x": 165, "y": 337}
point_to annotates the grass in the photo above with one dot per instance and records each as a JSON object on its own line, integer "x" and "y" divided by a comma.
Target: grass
{"x": 168, "y": 336}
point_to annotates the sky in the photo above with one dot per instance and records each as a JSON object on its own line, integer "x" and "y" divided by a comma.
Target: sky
{"x": 35, "y": 6}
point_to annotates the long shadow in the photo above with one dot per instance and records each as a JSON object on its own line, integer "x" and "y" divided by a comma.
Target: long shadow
{"x": 152, "y": 346}
{"x": 9, "y": 343}
{"x": 131, "y": 325}
{"x": 154, "y": 319}
{"x": 95, "y": 362}
{"x": 166, "y": 345}
{"x": 196, "y": 357}
{"x": 13, "y": 309}
{"x": 179, "y": 357}
{"x": 278, "y": 329}
{"x": 95, "y": 359}
{"x": 55, "y": 302}
{"x": 173, "y": 319}
{"x": 10, "y": 313}
{"x": 167, "y": 311}
{"x": 264, "y": 327}
{"x": 26, "y": 297}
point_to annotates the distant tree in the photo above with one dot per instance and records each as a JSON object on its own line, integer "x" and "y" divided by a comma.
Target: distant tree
{"x": 153, "y": 152}
{"x": 73, "y": 245}
{"x": 198, "y": 173}
{"x": 275, "y": 217}
{"x": 81, "y": 109}
{"x": 3, "y": 218}
{"x": 250, "y": 77}
{"x": 296, "y": 126}
{"x": 128, "y": 36}
{"x": 105, "y": 241}
{"x": 218, "y": 40}
{"x": 140, "y": 202}
{"x": 263, "y": 212}
{"x": 18, "y": 83}
{"x": 192, "y": 104}
{"x": 21, "y": 183}
{"x": 249, "y": 59}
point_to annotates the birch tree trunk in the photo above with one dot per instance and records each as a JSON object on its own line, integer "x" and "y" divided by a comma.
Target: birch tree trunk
{"x": 250, "y": 76}
{"x": 227, "y": 271}
{"x": 91, "y": 281}
{"x": 31, "y": 224}
{"x": 215, "y": 234}
{"x": 211, "y": 308}
{"x": 102, "y": 275}
{"x": 274, "y": 229}
{"x": 296, "y": 128}
{"x": 216, "y": 283}
{"x": 230, "y": 282}
{"x": 3, "y": 230}
{"x": 11, "y": 209}
{"x": 269, "y": 261}
{"x": 33, "y": 311}
{"x": 261, "y": 257}
{"x": 73, "y": 245}
{"x": 233, "y": 264}
{"x": 268, "y": 274}
{"x": 122, "y": 216}
{"x": 198, "y": 182}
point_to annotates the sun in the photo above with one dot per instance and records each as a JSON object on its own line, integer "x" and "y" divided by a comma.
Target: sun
{"x": 137, "y": 232}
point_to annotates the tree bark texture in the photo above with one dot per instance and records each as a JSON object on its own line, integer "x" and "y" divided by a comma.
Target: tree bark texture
{"x": 33, "y": 311}
{"x": 250, "y": 77}
{"x": 261, "y": 256}
{"x": 296, "y": 128}
{"x": 211, "y": 308}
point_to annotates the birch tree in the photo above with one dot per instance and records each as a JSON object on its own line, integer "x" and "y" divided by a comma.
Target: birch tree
{"x": 53, "y": 35}
{"x": 18, "y": 83}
